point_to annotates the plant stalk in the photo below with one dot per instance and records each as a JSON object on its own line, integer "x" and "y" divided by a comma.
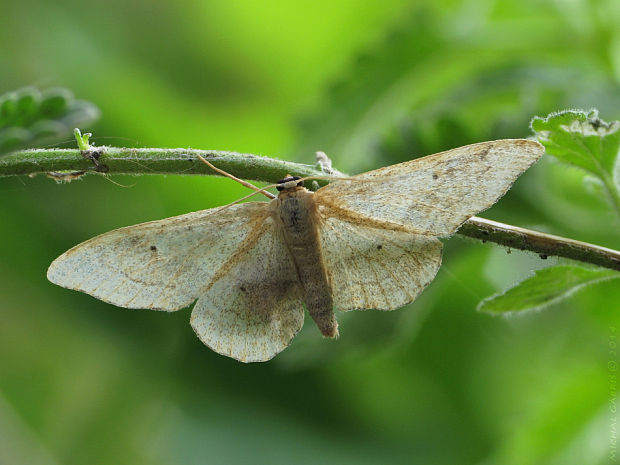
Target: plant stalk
{"x": 113, "y": 160}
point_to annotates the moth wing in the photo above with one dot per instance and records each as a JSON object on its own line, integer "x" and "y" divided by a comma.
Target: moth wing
{"x": 255, "y": 308}
{"x": 371, "y": 267}
{"x": 162, "y": 265}
{"x": 433, "y": 195}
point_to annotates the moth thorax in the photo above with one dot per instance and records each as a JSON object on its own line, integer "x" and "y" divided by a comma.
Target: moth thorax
{"x": 289, "y": 182}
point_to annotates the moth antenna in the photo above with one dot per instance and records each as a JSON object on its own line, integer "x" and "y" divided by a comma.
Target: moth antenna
{"x": 258, "y": 191}
{"x": 116, "y": 183}
{"x": 269, "y": 195}
{"x": 444, "y": 269}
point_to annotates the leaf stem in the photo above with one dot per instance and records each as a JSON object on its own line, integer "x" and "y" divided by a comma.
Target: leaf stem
{"x": 612, "y": 191}
{"x": 140, "y": 161}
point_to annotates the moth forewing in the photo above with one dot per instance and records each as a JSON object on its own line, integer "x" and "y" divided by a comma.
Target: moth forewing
{"x": 161, "y": 265}
{"x": 432, "y": 195}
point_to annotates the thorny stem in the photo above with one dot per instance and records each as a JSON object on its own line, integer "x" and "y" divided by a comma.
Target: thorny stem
{"x": 116, "y": 160}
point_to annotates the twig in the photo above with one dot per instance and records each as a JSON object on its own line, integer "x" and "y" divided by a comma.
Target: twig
{"x": 541, "y": 243}
{"x": 246, "y": 166}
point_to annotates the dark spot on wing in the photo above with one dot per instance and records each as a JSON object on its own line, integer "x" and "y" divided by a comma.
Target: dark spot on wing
{"x": 242, "y": 288}
{"x": 485, "y": 151}
{"x": 153, "y": 248}
{"x": 435, "y": 176}
{"x": 379, "y": 247}
{"x": 543, "y": 256}
{"x": 449, "y": 170}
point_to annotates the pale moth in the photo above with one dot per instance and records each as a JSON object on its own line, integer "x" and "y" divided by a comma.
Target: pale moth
{"x": 364, "y": 242}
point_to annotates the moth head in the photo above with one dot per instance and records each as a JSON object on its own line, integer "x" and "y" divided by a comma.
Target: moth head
{"x": 289, "y": 182}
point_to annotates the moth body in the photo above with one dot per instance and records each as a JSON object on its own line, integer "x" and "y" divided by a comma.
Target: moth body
{"x": 296, "y": 214}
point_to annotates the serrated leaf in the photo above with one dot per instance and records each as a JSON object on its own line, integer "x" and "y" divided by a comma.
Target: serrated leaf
{"x": 27, "y": 106}
{"x": 580, "y": 138}
{"x": 584, "y": 140}
{"x": 545, "y": 287}
{"x": 29, "y": 117}
{"x": 55, "y": 101}
{"x": 8, "y": 102}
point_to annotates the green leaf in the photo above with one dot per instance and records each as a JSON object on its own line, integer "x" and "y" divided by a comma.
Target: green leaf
{"x": 8, "y": 102}
{"x": 29, "y": 117}
{"x": 546, "y": 287}
{"x": 580, "y": 138}
{"x": 55, "y": 101}
{"x": 584, "y": 140}
{"x": 27, "y": 106}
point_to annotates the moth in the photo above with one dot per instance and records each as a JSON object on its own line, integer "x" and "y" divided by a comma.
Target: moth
{"x": 365, "y": 242}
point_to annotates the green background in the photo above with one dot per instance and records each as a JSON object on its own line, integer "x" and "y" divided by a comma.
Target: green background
{"x": 371, "y": 83}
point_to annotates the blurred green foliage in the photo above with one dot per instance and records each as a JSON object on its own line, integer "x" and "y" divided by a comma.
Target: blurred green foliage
{"x": 29, "y": 117}
{"x": 370, "y": 83}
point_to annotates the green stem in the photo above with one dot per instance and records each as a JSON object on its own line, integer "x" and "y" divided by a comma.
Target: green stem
{"x": 612, "y": 191}
{"x": 151, "y": 161}
{"x": 115, "y": 160}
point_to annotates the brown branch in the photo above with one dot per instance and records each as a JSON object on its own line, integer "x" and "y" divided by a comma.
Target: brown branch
{"x": 541, "y": 243}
